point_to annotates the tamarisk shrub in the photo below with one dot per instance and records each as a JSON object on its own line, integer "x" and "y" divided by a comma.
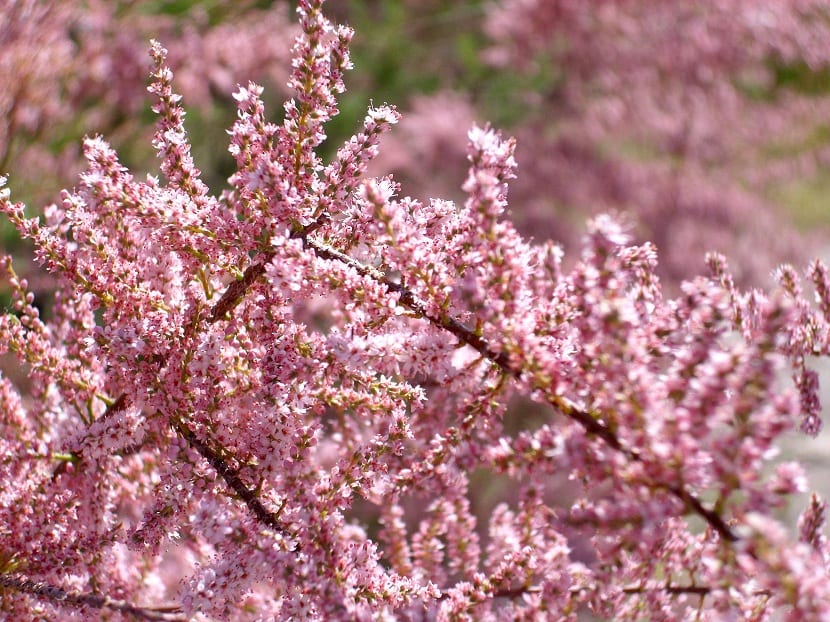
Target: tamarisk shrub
{"x": 271, "y": 404}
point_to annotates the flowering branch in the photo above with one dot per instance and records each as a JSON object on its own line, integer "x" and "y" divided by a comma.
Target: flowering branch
{"x": 697, "y": 590}
{"x": 589, "y": 421}
{"x": 169, "y": 613}
{"x": 232, "y": 479}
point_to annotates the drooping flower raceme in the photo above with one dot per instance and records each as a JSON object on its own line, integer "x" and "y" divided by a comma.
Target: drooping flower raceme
{"x": 281, "y": 402}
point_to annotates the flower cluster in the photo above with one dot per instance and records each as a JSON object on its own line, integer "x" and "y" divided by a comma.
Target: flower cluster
{"x": 288, "y": 401}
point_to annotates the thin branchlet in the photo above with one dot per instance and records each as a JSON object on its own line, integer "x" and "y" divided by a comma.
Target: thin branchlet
{"x": 233, "y": 480}
{"x": 61, "y": 597}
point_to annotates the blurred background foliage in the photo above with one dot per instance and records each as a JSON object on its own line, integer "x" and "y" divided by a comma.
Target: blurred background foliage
{"x": 401, "y": 49}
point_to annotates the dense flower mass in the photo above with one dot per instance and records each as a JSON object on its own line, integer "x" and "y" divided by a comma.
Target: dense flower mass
{"x": 279, "y": 402}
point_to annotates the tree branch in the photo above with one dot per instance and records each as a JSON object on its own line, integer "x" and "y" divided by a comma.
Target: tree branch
{"x": 236, "y": 290}
{"x": 233, "y": 480}
{"x": 44, "y": 591}
{"x": 697, "y": 590}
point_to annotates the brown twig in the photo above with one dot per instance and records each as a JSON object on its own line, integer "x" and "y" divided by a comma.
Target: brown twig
{"x": 236, "y": 290}
{"x": 44, "y": 591}
{"x": 697, "y": 590}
